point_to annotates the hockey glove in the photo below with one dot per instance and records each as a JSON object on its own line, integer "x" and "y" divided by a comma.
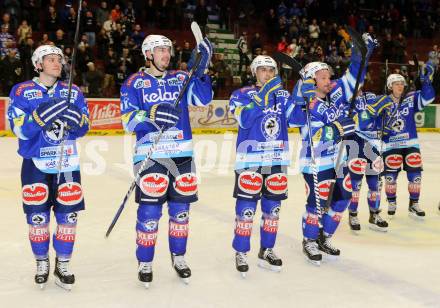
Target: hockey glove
{"x": 205, "y": 48}
{"x": 345, "y": 127}
{"x": 308, "y": 89}
{"x": 74, "y": 118}
{"x": 47, "y": 112}
{"x": 270, "y": 87}
{"x": 427, "y": 73}
{"x": 370, "y": 41}
{"x": 164, "y": 115}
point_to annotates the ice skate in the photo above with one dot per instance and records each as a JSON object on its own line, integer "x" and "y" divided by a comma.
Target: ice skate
{"x": 269, "y": 260}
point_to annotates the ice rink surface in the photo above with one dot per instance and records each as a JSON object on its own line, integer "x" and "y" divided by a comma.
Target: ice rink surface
{"x": 399, "y": 268}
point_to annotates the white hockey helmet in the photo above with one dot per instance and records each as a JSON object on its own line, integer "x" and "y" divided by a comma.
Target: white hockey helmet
{"x": 44, "y": 50}
{"x": 152, "y": 41}
{"x": 263, "y": 61}
{"x": 309, "y": 71}
{"x": 392, "y": 78}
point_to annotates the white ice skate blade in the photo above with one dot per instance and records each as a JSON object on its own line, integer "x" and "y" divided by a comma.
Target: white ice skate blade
{"x": 377, "y": 229}
{"x": 313, "y": 262}
{"x": 415, "y": 217}
{"x": 65, "y": 286}
{"x": 355, "y": 232}
{"x": 42, "y": 286}
{"x": 146, "y": 285}
{"x": 243, "y": 275}
{"x": 264, "y": 264}
{"x": 328, "y": 257}
{"x": 185, "y": 280}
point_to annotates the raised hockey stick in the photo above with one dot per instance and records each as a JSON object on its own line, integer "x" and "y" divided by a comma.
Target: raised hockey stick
{"x": 296, "y": 66}
{"x": 359, "y": 44}
{"x": 69, "y": 92}
{"x": 382, "y": 129}
{"x": 153, "y": 147}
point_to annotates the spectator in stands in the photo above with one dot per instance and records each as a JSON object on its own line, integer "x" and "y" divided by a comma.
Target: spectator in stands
{"x": 12, "y": 7}
{"x": 256, "y": 43}
{"x": 150, "y": 13}
{"x": 89, "y": 27}
{"x": 242, "y": 46}
{"x": 201, "y": 14}
{"x": 31, "y": 13}
{"x": 51, "y": 22}
{"x": 83, "y": 57}
{"x": 109, "y": 26}
{"x": 116, "y": 13}
{"x": 130, "y": 13}
{"x": 110, "y": 69}
{"x": 400, "y": 48}
{"x": 102, "y": 42}
{"x": 12, "y": 72}
{"x": 417, "y": 25}
{"x": 223, "y": 70}
{"x": 5, "y": 36}
{"x": 23, "y": 31}
{"x": 138, "y": 35}
{"x": 387, "y": 49}
{"x": 59, "y": 40}
{"x": 45, "y": 40}
{"x": 94, "y": 80}
{"x": 102, "y": 14}
{"x": 6, "y": 21}
{"x": 434, "y": 55}
{"x": 282, "y": 45}
{"x": 271, "y": 24}
{"x": 70, "y": 25}
{"x": 186, "y": 52}
{"x": 27, "y": 48}
{"x": 121, "y": 76}
{"x": 314, "y": 30}
{"x": 127, "y": 60}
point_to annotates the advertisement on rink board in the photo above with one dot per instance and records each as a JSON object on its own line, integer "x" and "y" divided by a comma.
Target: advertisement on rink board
{"x": 215, "y": 118}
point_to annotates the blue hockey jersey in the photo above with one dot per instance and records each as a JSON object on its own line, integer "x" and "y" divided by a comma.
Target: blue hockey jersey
{"x": 322, "y": 113}
{"x": 141, "y": 91}
{"x": 400, "y": 127}
{"x": 44, "y": 146}
{"x": 262, "y": 134}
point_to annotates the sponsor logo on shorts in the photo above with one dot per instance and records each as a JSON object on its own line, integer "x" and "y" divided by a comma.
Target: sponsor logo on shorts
{"x": 277, "y": 183}
{"x": 357, "y": 165}
{"x": 250, "y": 182}
{"x": 35, "y": 194}
{"x": 154, "y": 184}
{"x": 186, "y": 184}
{"x": 70, "y": 193}
{"x": 414, "y": 160}
{"x": 324, "y": 189}
{"x": 394, "y": 161}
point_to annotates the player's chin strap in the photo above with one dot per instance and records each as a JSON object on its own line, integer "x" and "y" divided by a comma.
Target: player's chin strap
{"x": 154, "y": 64}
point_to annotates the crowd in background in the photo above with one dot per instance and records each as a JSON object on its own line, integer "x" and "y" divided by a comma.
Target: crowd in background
{"x": 112, "y": 32}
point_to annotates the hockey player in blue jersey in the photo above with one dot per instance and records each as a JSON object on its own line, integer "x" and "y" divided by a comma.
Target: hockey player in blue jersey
{"x": 366, "y": 159}
{"x": 41, "y": 118}
{"x": 402, "y": 149}
{"x": 326, "y": 103}
{"x": 147, "y": 104}
{"x": 263, "y": 112}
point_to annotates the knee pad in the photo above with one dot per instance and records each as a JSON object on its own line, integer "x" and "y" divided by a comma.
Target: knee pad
{"x": 340, "y": 205}
{"x": 271, "y": 215}
{"x": 414, "y": 183}
{"x": 179, "y": 219}
{"x": 391, "y": 183}
{"x": 39, "y": 233}
{"x": 147, "y": 224}
{"x": 245, "y": 211}
{"x": 65, "y": 235}
{"x": 66, "y": 229}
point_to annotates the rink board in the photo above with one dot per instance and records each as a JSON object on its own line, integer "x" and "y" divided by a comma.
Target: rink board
{"x": 215, "y": 118}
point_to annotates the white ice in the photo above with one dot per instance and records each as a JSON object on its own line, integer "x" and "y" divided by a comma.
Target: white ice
{"x": 400, "y": 268}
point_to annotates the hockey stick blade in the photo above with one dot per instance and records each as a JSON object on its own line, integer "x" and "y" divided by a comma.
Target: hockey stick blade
{"x": 152, "y": 148}
{"x": 357, "y": 40}
{"x": 195, "y": 28}
{"x": 286, "y": 59}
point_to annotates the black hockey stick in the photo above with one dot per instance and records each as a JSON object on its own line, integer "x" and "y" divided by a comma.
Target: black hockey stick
{"x": 153, "y": 147}
{"x": 359, "y": 44}
{"x": 382, "y": 129}
{"x": 69, "y": 92}
{"x": 297, "y": 67}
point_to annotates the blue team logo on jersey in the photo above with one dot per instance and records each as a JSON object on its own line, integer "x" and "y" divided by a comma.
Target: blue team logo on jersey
{"x": 271, "y": 127}
{"x": 56, "y": 134}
